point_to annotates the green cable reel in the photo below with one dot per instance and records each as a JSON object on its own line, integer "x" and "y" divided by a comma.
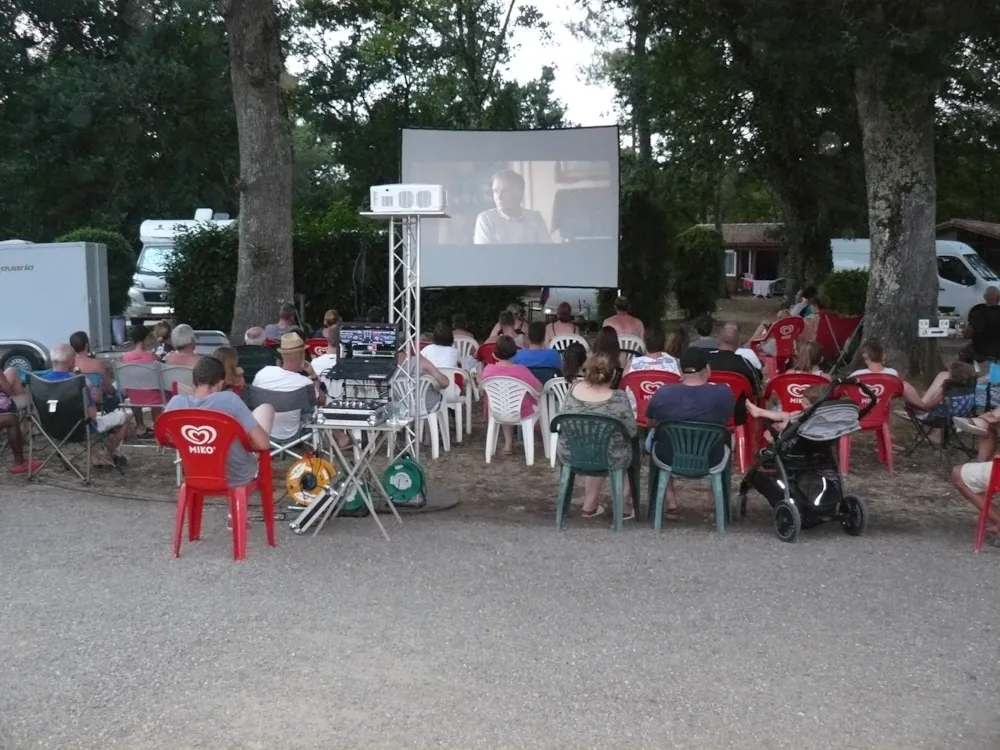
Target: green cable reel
{"x": 405, "y": 483}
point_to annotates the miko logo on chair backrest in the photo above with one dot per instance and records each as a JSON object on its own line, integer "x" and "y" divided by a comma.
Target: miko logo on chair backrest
{"x": 797, "y": 392}
{"x": 200, "y": 438}
{"x": 649, "y": 387}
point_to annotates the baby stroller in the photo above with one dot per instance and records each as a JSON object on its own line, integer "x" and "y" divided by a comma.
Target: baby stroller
{"x": 798, "y": 472}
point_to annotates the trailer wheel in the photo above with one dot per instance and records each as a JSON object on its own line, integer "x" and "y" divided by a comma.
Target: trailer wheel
{"x": 22, "y": 358}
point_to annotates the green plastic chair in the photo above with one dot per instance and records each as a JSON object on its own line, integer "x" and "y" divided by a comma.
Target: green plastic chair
{"x": 692, "y": 443}
{"x": 588, "y": 437}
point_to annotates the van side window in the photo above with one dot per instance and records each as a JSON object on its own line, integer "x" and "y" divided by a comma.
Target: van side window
{"x": 954, "y": 270}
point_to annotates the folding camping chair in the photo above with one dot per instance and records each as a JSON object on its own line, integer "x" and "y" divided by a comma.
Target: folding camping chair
{"x": 302, "y": 400}
{"x": 60, "y": 413}
{"x": 957, "y": 401}
{"x": 253, "y": 359}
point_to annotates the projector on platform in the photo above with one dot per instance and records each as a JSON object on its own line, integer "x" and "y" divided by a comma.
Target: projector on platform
{"x": 415, "y": 199}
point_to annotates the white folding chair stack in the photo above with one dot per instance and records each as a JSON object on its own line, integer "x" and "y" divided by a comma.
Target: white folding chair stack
{"x": 464, "y": 402}
{"x": 560, "y": 342}
{"x": 553, "y": 395}
{"x": 505, "y": 396}
{"x": 435, "y": 420}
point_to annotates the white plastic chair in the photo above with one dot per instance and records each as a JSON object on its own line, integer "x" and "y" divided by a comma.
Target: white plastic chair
{"x": 504, "y": 396}
{"x": 464, "y": 401}
{"x": 631, "y": 346}
{"x": 553, "y": 395}
{"x": 560, "y": 342}
{"x": 468, "y": 348}
{"x": 435, "y": 420}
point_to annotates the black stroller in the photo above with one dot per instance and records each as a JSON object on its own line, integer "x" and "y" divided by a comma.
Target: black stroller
{"x": 798, "y": 472}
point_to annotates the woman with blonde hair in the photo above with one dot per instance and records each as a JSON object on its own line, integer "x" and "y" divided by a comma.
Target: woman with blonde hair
{"x": 230, "y": 359}
{"x": 330, "y": 318}
{"x": 808, "y": 358}
{"x": 595, "y": 395}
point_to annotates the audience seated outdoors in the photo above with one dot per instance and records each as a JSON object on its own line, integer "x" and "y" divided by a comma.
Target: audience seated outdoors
{"x": 255, "y": 337}
{"x": 808, "y": 358}
{"x": 330, "y": 318}
{"x": 150, "y": 398}
{"x": 97, "y": 370}
{"x": 287, "y": 377}
{"x": 972, "y": 479}
{"x": 606, "y": 342}
{"x": 563, "y": 323}
{"x": 703, "y": 327}
{"x": 779, "y": 418}
{"x": 112, "y": 424}
{"x": 507, "y": 326}
{"x": 573, "y": 357}
{"x": 13, "y": 399}
{"x": 505, "y": 367}
{"x": 544, "y": 363}
{"x": 871, "y": 355}
{"x": 161, "y": 341}
{"x": 806, "y": 302}
{"x": 725, "y": 359}
{"x": 230, "y": 359}
{"x": 594, "y": 395}
{"x": 286, "y": 323}
{"x": 655, "y": 358}
{"x": 183, "y": 341}
{"x": 694, "y": 399}
{"x": 769, "y": 347}
{"x": 623, "y": 322}
{"x": 983, "y": 330}
{"x": 210, "y": 393}
{"x": 441, "y": 352}
{"x": 460, "y": 325}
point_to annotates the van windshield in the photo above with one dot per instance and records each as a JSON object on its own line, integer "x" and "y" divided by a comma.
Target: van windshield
{"x": 153, "y": 260}
{"x": 978, "y": 265}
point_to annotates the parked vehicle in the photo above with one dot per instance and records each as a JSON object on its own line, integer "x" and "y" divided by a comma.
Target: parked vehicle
{"x": 148, "y": 297}
{"x": 962, "y": 275}
{"x": 48, "y": 292}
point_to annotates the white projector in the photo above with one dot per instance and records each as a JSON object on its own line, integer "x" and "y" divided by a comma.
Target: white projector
{"x": 413, "y": 199}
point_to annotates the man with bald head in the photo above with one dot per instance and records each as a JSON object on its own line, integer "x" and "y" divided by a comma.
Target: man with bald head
{"x": 983, "y": 329}
{"x": 725, "y": 359}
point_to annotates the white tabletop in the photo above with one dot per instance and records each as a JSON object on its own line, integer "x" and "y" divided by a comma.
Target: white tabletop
{"x": 357, "y": 424}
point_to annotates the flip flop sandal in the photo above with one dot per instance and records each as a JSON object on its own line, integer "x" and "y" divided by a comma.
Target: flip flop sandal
{"x": 629, "y": 515}
{"x": 598, "y": 511}
{"x": 965, "y": 424}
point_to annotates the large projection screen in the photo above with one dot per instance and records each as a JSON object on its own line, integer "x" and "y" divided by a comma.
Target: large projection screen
{"x": 527, "y": 207}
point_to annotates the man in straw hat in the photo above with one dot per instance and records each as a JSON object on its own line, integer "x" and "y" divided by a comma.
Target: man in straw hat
{"x": 286, "y": 378}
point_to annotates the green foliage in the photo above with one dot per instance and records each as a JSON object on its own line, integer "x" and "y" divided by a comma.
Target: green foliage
{"x": 643, "y": 258}
{"x": 121, "y": 262}
{"x": 845, "y": 291}
{"x": 201, "y": 277}
{"x": 699, "y": 264}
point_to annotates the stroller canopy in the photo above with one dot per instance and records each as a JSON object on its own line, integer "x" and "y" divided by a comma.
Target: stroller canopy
{"x": 829, "y": 420}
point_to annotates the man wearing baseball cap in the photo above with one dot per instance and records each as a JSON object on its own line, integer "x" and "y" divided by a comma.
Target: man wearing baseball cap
{"x": 694, "y": 399}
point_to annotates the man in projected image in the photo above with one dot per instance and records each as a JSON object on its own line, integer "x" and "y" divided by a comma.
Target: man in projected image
{"x": 510, "y": 223}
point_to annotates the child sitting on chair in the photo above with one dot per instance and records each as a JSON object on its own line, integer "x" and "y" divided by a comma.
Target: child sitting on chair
{"x": 780, "y": 419}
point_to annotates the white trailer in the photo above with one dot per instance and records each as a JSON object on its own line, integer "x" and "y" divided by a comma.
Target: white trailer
{"x": 48, "y": 291}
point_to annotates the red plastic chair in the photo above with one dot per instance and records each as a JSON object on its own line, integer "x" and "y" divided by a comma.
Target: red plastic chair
{"x": 984, "y": 516}
{"x": 486, "y": 353}
{"x": 203, "y": 438}
{"x": 273, "y": 343}
{"x": 744, "y": 433}
{"x": 886, "y": 388}
{"x": 642, "y": 384}
{"x": 789, "y": 388}
{"x": 317, "y": 347}
{"x": 784, "y": 333}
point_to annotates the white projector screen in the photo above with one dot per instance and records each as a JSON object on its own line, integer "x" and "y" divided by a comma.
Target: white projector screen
{"x": 527, "y": 207}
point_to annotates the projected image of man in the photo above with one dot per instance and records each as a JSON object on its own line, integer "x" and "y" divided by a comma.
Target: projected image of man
{"x": 510, "y": 223}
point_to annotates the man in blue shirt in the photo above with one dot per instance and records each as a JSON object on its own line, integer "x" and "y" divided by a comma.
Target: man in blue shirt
{"x": 694, "y": 399}
{"x": 111, "y": 424}
{"x": 541, "y": 360}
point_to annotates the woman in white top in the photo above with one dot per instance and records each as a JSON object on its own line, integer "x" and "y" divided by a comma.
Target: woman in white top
{"x": 871, "y": 353}
{"x": 655, "y": 357}
{"x": 441, "y": 352}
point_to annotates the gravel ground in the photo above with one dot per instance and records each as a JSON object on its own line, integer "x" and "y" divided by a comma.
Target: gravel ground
{"x": 471, "y": 633}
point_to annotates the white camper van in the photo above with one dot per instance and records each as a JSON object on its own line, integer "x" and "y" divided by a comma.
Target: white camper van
{"x": 962, "y": 275}
{"x": 147, "y": 299}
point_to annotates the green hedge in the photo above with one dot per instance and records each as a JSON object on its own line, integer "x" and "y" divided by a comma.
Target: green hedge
{"x": 643, "y": 259}
{"x": 698, "y": 269}
{"x": 121, "y": 262}
{"x": 341, "y": 262}
{"x": 846, "y": 291}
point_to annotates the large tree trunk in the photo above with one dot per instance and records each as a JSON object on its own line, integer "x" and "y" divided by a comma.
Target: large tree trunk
{"x": 640, "y": 85}
{"x": 896, "y": 112}
{"x": 264, "y": 277}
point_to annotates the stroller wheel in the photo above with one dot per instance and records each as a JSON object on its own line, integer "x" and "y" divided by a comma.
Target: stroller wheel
{"x": 853, "y": 515}
{"x": 787, "y": 522}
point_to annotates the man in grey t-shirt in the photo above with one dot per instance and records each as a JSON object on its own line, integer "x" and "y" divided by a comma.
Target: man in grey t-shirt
{"x": 209, "y": 378}
{"x": 510, "y": 223}
{"x": 286, "y": 323}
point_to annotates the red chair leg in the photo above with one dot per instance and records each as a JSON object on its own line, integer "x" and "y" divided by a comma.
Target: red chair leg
{"x": 845, "y": 455}
{"x": 742, "y": 447}
{"x": 238, "y": 511}
{"x": 182, "y": 499}
{"x": 196, "y": 507}
{"x": 267, "y": 505}
{"x": 984, "y": 519}
{"x": 886, "y": 434}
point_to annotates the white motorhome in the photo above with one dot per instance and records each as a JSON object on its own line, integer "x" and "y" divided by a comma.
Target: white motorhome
{"x": 147, "y": 298}
{"x": 962, "y": 275}
{"x": 49, "y": 291}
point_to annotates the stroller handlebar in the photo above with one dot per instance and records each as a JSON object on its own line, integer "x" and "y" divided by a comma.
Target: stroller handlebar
{"x": 870, "y": 396}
